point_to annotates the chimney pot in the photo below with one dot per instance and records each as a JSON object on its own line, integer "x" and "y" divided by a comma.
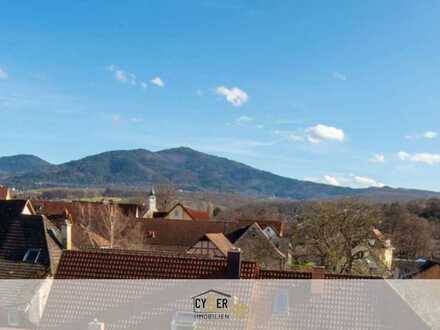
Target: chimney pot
{"x": 234, "y": 263}
{"x": 67, "y": 234}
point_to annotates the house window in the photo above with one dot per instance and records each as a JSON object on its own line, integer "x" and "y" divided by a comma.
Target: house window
{"x": 32, "y": 255}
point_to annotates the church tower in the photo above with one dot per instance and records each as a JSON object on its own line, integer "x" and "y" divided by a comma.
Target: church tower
{"x": 152, "y": 206}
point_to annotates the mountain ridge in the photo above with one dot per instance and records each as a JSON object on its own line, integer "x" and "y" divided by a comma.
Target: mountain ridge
{"x": 22, "y": 163}
{"x": 188, "y": 169}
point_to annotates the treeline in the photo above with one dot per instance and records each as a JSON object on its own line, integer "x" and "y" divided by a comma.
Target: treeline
{"x": 413, "y": 227}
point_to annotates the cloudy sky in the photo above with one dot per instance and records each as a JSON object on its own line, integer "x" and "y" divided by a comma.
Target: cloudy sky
{"x": 346, "y": 94}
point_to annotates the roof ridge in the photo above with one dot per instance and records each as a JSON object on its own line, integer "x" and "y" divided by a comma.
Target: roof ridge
{"x": 159, "y": 254}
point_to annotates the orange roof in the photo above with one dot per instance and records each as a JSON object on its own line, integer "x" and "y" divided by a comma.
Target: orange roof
{"x": 221, "y": 242}
{"x": 194, "y": 214}
{"x": 197, "y": 215}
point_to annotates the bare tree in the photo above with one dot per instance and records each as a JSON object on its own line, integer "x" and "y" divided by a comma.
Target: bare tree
{"x": 105, "y": 219}
{"x": 330, "y": 231}
{"x": 411, "y": 234}
{"x": 114, "y": 221}
{"x": 166, "y": 195}
{"x": 412, "y": 238}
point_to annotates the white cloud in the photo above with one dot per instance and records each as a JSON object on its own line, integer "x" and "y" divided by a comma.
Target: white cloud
{"x": 244, "y": 120}
{"x": 424, "y": 157}
{"x": 293, "y": 137}
{"x": 429, "y": 135}
{"x": 126, "y": 77}
{"x": 364, "y": 181}
{"x": 157, "y": 81}
{"x": 403, "y": 155}
{"x": 348, "y": 180}
{"x": 3, "y": 74}
{"x": 320, "y": 133}
{"x": 340, "y": 76}
{"x": 377, "y": 158}
{"x": 121, "y": 75}
{"x": 235, "y": 95}
{"x": 331, "y": 180}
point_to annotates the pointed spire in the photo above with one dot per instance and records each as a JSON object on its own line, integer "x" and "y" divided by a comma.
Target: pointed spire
{"x": 152, "y": 193}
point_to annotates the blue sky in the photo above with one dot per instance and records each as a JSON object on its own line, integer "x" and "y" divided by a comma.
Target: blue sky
{"x": 345, "y": 93}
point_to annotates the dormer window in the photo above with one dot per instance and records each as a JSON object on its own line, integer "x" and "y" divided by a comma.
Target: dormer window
{"x": 32, "y": 255}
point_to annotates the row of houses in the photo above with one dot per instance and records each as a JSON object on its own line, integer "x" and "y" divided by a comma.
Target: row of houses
{"x": 55, "y": 242}
{"x": 182, "y": 230}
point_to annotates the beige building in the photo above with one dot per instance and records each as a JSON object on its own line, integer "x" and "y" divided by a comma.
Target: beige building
{"x": 213, "y": 245}
{"x": 252, "y": 240}
{"x": 177, "y": 212}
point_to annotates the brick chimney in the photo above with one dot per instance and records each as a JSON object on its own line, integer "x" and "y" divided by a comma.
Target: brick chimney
{"x": 233, "y": 263}
{"x": 210, "y": 210}
{"x": 66, "y": 231}
{"x": 318, "y": 277}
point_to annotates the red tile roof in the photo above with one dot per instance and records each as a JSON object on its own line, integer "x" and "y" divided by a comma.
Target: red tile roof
{"x": 121, "y": 264}
{"x": 178, "y": 233}
{"x": 198, "y": 215}
{"x": 194, "y": 214}
{"x": 153, "y": 305}
{"x": 17, "y": 236}
{"x": 21, "y": 270}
